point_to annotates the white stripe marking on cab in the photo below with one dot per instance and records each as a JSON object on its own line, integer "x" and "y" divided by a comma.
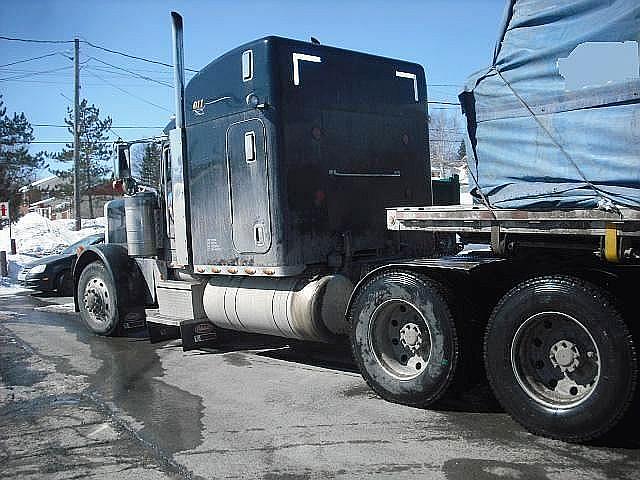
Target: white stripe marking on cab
{"x": 413, "y": 77}
{"x": 297, "y": 57}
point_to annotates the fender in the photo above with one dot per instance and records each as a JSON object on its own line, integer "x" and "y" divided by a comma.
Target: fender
{"x": 444, "y": 265}
{"x": 124, "y": 272}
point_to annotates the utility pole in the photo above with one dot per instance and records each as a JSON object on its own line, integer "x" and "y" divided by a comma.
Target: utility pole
{"x": 76, "y": 134}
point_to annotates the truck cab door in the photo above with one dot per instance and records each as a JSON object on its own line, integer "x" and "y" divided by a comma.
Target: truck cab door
{"x": 249, "y": 186}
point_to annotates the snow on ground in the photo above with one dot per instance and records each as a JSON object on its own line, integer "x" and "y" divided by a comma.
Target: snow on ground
{"x": 37, "y": 236}
{"x": 8, "y": 287}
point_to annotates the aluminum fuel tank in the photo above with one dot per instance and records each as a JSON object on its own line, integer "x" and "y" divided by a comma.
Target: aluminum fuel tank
{"x": 302, "y": 308}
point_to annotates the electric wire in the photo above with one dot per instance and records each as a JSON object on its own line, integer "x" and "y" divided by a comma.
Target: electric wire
{"x": 67, "y": 126}
{"x": 31, "y": 40}
{"x": 17, "y": 77}
{"x": 127, "y": 92}
{"x": 144, "y": 77}
{"x": 29, "y": 59}
{"x": 116, "y": 52}
{"x": 100, "y": 47}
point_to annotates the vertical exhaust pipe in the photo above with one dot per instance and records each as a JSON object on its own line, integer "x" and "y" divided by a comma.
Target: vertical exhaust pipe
{"x": 178, "y": 67}
{"x": 179, "y": 155}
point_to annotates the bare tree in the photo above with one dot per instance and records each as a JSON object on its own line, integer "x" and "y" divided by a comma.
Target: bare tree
{"x": 444, "y": 142}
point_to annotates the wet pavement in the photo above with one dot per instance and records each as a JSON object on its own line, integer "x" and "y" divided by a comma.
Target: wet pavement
{"x": 73, "y": 405}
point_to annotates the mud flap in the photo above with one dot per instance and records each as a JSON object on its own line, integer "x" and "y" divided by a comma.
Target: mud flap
{"x": 159, "y": 332}
{"x": 198, "y": 334}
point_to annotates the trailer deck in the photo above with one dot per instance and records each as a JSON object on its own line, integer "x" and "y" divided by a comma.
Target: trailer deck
{"x": 608, "y": 227}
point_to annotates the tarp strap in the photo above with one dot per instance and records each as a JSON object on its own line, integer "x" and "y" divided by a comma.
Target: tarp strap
{"x": 485, "y": 200}
{"x": 468, "y": 109}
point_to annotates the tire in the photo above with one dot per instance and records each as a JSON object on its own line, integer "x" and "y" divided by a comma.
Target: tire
{"x": 560, "y": 358}
{"x": 403, "y": 337}
{"x": 64, "y": 284}
{"x": 97, "y": 299}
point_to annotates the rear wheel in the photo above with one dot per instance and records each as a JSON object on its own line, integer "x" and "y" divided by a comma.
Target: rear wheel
{"x": 97, "y": 299}
{"x": 560, "y": 358}
{"x": 404, "y": 338}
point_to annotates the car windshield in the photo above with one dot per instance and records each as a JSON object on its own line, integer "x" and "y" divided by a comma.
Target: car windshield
{"x": 84, "y": 243}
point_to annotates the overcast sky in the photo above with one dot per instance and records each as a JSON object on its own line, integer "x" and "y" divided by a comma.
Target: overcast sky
{"x": 451, "y": 39}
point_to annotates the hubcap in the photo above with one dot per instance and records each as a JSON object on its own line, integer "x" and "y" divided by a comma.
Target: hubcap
{"x": 400, "y": 339}
{"x": 555, "y": 360}
{"x": 565, "y": 355}
{"x": 96, "y": 301}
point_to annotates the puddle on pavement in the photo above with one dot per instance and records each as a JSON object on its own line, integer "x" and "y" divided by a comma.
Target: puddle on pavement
{"x": 131, "y": 377}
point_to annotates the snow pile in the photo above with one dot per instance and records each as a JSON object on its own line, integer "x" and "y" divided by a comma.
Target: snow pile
{"x": 37, "y": 236}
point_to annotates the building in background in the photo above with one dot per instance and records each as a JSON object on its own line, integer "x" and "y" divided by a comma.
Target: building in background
{"x": 50, "y": 198}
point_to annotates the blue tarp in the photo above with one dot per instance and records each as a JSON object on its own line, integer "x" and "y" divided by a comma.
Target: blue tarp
{"x": 555, "y": 121}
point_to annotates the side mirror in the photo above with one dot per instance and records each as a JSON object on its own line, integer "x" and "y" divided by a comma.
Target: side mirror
{"x": 122, "y": 167}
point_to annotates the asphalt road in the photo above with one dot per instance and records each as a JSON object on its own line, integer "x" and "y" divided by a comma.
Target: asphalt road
{"x": 73, "y": 405}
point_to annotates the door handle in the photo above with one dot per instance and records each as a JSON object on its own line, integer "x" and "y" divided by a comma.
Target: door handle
{"x": 336, "y": 173}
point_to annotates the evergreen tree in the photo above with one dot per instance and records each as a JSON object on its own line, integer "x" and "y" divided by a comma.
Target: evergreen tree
{"x": 149, "y": 172}
{"x": 17, "y": 166}
{"x": 95, "y": 152}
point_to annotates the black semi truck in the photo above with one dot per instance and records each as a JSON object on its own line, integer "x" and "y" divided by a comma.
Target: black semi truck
{"x": 269, "y": 218}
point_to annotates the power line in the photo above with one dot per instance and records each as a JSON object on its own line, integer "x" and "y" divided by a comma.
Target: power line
{"x": 114, "y": 132}
{"x": 29, "y": 59}
{"x": 30, "y": 40}
{"x": 440, "y": 102}
{"x": 17, "y": 71}
{"x": 116, "y": 52}
{"x": 84, "y": 84}
{"x": 156, "y": 75}
{"x": 17, "y": 77}
{"x": 128, "y": 93}
{"x": 133, "y": 56}
{"x": 70, "y": 142}
{"x": 54, "y": 142}
{"x": 67, "y": 126}
{"x": 144, "y": 77}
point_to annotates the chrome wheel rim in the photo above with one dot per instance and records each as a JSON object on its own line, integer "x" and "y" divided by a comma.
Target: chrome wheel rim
{"x": 400, "y": 339}
{"x": 555, "y": 360}
{"x": 96, "y": 301}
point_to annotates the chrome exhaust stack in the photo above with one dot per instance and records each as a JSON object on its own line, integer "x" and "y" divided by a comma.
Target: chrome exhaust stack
{"x": 178, "y": 67}
{"x": 179, "y": 161}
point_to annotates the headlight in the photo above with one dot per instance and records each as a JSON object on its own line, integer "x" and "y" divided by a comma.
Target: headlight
{"x": 38, "y": 268}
